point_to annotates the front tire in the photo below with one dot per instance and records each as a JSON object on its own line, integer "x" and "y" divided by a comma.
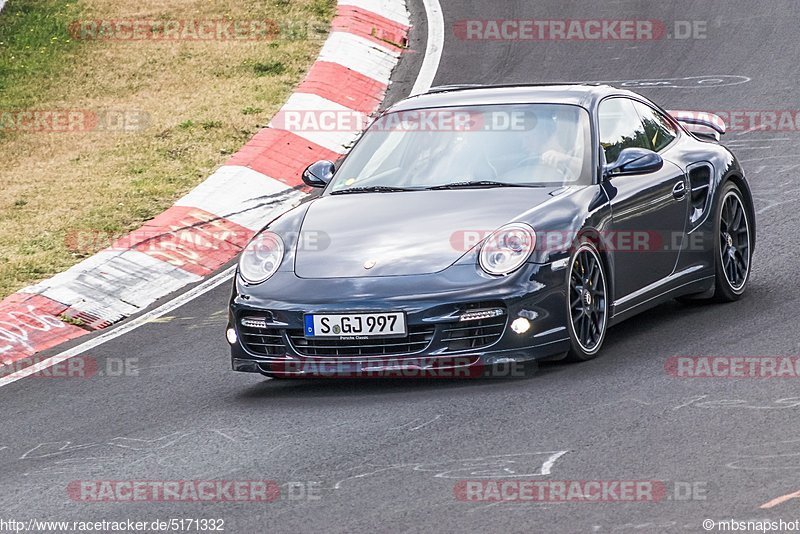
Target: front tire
{"x": 587, "y": 303}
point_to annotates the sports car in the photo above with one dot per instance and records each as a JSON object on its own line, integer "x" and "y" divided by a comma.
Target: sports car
{"x": 474, "y": 226}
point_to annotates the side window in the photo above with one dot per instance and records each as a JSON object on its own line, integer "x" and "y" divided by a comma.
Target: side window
{"x": 620, "y": 127}
{"x": 659, "y": 130}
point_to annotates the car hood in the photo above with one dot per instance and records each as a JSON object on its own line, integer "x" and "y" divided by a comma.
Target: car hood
{"x": 405, "y": 233}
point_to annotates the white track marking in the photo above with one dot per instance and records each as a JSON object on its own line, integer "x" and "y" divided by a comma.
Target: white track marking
{"x": 390, "y": 9}
{"x": 123, "y": 329}
{"x": 321, "y": 121}
{"x": 548, "y": 465}
{"x": 360, "y": 54}
{"x": 250, "y": 197}
{"x": 434, "y": 49}
{"x": 430, "y": 66}
{"x": 114, "y": 284}
{"x": 426, "y": 423}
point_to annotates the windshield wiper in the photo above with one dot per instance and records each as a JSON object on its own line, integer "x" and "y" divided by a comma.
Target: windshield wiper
{"x": 473, "y": 184}
{"x": 372, "y": 189}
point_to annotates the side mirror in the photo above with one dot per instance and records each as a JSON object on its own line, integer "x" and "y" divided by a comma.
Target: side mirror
{"x": 319, "y": 174}
{"x": 634, "y": 161}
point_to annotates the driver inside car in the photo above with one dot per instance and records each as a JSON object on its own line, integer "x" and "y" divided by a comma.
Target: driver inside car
{"x": 549, "y": 141}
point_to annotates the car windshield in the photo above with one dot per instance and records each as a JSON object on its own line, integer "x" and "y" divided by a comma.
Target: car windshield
{"x": 527, "y": 145}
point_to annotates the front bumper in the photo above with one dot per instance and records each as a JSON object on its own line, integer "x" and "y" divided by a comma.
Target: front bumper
{"x": 270, "y": 340}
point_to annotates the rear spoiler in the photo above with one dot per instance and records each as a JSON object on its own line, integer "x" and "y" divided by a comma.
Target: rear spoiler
{"x": 701, "y": 123}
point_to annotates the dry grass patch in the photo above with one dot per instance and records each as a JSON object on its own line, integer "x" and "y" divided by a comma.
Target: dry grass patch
{"x": 199, "y": 101}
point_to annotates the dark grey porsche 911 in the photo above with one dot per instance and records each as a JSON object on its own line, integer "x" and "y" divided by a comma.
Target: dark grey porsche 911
{"x": 476, "y": 226}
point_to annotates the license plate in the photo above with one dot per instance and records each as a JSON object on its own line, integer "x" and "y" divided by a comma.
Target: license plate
{"x": 355, "y": 325}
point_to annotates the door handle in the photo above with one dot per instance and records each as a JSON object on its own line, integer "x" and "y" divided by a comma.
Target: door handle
{"x": 679, "y": 191}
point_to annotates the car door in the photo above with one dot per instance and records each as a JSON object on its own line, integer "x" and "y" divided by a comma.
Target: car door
{"x": 648, "y": 210}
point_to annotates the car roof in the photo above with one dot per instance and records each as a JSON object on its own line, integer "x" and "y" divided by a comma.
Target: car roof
{"x": 579, "y": 94}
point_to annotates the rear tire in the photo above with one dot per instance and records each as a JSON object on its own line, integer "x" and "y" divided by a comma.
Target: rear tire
{"x": 587, "y": 303}
{"x": 733, "y": 245}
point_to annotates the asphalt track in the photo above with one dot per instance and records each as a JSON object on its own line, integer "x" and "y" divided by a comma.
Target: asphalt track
{"x": 387, "y": 454}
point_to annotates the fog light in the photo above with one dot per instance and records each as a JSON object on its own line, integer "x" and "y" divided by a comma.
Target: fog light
{"x": 231, "y": 335}
{"x": 521, "y": 325}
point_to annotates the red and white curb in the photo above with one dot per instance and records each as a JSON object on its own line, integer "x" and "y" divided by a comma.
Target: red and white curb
{"x": 210, "y": 225}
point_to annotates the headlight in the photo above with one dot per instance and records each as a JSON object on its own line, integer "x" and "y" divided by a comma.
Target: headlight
{"x": 507, "y": 248}
{"x": 261, "y": 258}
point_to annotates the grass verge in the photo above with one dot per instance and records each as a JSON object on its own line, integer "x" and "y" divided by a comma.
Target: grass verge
{"x": 152, "y": 117}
